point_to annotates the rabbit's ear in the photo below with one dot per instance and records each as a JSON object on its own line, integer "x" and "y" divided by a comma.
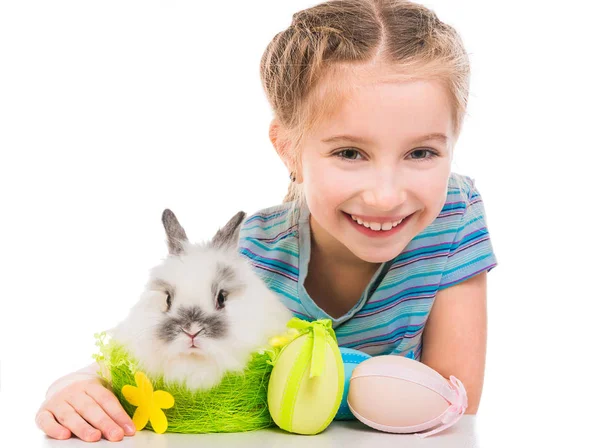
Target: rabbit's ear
{"x": 227, "y": 237}
{"x": 175, "y": 234}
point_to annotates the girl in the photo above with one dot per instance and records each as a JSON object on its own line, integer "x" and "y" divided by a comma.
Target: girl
{"x": 376, "y": 232}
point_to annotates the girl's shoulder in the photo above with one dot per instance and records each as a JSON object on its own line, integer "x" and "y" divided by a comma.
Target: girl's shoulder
{"x": 460, "y": 187}
{"x": 269, "y": 223}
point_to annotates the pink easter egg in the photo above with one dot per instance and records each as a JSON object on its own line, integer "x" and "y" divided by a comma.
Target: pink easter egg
{"x": 401, "y": 395}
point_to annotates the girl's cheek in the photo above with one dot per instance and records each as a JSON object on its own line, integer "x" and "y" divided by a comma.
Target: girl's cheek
{"x": 437, "y": 192}
{"x": 325, "y": 177}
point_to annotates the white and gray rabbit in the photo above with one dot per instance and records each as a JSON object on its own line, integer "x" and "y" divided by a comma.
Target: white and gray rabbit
{"x": 203, "y": 310}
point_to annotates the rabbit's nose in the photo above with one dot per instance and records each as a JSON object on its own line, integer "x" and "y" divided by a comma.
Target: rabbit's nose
{"x": 190, "y": 335}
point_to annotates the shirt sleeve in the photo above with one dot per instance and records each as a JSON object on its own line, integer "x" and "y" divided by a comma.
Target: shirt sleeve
{"x": 471, "y": 251}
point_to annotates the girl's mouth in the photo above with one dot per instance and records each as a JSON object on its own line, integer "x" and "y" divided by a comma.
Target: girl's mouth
{"x": 377, "y": 230}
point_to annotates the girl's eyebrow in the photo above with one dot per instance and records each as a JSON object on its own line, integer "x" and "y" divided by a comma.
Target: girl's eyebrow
{"x": 434, "y": 136}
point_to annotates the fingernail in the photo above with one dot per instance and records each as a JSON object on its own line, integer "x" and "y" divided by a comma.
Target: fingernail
{"x": 115, "y": 433}
{"x": 129, "y": 430}
{"x": 92, "y": 434}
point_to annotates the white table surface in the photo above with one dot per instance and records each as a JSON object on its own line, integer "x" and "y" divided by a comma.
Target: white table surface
{"x": 346, "y": 434}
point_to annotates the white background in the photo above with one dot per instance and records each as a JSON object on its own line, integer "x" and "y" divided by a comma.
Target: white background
{"x": 111, "y": 111}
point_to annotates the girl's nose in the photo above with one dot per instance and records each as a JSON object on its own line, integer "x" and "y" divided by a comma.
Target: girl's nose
{"x": 385, "y": 193}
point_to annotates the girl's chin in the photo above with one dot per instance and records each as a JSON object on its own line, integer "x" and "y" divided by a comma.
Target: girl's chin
{"x": 377, "y": 257}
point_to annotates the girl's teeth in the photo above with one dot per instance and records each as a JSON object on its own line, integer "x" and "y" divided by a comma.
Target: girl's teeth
{"x": 376, "y": 225}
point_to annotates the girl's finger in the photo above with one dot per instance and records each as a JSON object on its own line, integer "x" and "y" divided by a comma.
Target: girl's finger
{"x": 47, "y": 423}
{"x": 112, "y": 407}
{"x": 93, "y": 413}
{"x": 70, "y": 419}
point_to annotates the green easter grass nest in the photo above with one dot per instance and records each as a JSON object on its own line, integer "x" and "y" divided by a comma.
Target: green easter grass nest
{"x": 237, "y": 404}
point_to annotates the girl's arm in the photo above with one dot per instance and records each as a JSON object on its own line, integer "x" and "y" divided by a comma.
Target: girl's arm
{"x": 455, "y": 335}
{"x": 85, "y": 373}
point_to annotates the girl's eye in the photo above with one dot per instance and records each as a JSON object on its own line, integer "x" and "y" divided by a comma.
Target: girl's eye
{"x": 418, "y": 155}
{"x": 348, "y": 154}
{"x": 423, "y": 152}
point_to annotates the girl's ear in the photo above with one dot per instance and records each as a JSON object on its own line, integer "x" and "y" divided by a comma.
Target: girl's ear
{"x": 175, "y": 234}
{"x": 227, "y": 237}
{"x": 282, "y": 146}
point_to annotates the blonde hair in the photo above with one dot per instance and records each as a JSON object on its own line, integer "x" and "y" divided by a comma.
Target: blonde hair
{"x": 327, "y": 39}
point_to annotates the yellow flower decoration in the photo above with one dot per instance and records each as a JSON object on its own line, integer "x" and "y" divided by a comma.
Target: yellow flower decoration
{"x": 149, "y": 403}
{"x": 284, "y": 339}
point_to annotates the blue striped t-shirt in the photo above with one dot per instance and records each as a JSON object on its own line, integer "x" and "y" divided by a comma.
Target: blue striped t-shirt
{"x": 390, "y": 315}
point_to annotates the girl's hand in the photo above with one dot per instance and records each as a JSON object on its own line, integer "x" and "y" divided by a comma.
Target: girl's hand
{"x": 70, "y": 409}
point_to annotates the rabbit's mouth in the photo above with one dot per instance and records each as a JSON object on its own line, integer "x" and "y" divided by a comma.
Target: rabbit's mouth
{"x": 190, "y": 350}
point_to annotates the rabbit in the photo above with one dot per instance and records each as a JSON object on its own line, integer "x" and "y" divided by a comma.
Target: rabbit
{"x": 203, "y": 310}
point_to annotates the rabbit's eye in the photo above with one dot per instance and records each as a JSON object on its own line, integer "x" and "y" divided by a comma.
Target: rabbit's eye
{"x": 169, "y": 300}
{"x": 221, "y": 299}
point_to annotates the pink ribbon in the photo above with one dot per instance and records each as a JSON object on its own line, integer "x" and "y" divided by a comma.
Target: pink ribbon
{"x": 454, "y": 412}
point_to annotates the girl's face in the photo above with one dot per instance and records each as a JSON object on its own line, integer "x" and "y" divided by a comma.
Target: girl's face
{"x": 382, "y": 158}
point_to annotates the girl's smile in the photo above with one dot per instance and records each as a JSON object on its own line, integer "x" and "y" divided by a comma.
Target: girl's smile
{"x": 377, "y": 227}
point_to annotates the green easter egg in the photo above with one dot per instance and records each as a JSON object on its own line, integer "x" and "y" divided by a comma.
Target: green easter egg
{"x": 307, "y": 381}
